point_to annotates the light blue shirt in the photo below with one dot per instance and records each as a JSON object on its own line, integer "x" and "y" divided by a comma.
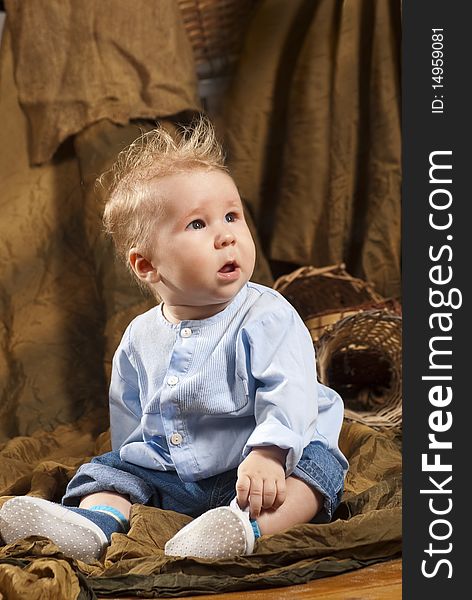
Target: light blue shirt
{"x": 196, "y": 396}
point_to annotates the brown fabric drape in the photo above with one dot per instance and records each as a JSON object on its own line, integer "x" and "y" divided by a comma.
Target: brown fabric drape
{"x": 49, "y": 322}
{"x": 313, "y": 134}
{"x": 367, "y": 528}
{"x": 79, "y": 62}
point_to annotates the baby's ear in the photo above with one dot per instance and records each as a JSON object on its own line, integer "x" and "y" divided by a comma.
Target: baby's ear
{"x": 142, "y": 267}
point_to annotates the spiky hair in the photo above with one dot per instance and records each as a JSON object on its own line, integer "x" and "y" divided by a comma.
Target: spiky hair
{"x": 133, "y": 205}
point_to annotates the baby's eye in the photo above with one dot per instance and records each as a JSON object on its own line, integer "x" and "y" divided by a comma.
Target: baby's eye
{"x": 230, "y": 217}
{"x": 197, "y": 224}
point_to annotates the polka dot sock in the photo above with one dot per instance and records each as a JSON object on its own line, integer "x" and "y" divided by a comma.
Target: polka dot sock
{"x": 222, "y": 532}
{"x": 79, "y": 533}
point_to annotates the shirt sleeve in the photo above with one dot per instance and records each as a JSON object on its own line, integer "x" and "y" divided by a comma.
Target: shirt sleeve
{"x": 282, "y": 363}
{"x": 125, "y": 405}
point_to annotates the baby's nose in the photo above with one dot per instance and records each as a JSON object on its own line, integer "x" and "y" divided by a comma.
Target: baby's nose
{"x": 224, "y": 239}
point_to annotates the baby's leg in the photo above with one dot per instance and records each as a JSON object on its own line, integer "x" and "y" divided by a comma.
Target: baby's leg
{"x": 110, "y": 499}
{"x": 301, "y": 505}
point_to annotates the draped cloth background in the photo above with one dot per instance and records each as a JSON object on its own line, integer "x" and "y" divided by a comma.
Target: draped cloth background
{"x": 311, "y": 127}
{"x": 312, "y": 123}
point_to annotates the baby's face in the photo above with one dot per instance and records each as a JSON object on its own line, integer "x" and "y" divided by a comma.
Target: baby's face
{"x": 203, "y": 250}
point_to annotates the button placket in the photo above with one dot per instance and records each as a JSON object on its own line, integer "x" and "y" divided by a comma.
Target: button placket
{"x": 182, "y": 355}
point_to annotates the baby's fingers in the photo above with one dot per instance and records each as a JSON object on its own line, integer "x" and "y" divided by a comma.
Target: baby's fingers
{"x": 243, "y": 485}
{"x": 270, "y": 494}
{"x": 281, "y": 494}
{"x": 255, "y": 498}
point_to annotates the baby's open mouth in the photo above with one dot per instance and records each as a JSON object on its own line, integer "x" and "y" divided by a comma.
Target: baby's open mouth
{"x": 229, "y": 267}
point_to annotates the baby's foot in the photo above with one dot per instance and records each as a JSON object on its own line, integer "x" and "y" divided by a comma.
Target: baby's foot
{"x": 75, "y": 534}
{"x": 219, "y": 533}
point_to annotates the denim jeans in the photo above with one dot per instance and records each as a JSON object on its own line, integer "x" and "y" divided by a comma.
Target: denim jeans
{"x": 164, "y": 489}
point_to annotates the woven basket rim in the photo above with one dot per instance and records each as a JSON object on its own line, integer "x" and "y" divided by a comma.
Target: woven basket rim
{"x": 335, "y": 272}
{"x": 365, "y": 313}
{"x": 356, "y": 308}
{"x": 387, "y": 416}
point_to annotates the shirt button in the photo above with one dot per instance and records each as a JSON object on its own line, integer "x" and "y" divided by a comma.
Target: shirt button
{"x": 186, "y": 332}
{"x": 175, "y": 439}
{"x": 173, "y": 380}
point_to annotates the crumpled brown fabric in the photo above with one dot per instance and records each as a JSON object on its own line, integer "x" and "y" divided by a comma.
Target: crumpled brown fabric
{"x": 50, "y": 321}
{"x": 313, "y": 133}
{"x": 79, "y": 62}
{"x": 366, "y": 529}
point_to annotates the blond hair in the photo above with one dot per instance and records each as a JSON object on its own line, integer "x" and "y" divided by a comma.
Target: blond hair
{"x": 133, "y": 205}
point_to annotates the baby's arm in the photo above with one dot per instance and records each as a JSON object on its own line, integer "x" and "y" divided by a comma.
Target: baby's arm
{"x": 124, "y": 402}
{"x": 261, "y": 479}
{"x": 280, "y": 355}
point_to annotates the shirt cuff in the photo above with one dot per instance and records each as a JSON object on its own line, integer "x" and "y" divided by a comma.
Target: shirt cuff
{"x": 276, "y": 434}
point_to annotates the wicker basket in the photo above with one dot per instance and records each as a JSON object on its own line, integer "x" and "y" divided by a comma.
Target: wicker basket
{"x": 360, "y": 357}
{"x": 318, "y": 324}
{"x": 216, "y": 30}
{"x": 313, "y": 290}
{"x": 323, "y": 296}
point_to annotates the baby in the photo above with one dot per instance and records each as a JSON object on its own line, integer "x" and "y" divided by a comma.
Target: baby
{"x": 215, "y": 408}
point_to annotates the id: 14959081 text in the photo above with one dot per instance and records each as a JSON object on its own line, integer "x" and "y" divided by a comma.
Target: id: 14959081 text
{"x": 437, "y": 70}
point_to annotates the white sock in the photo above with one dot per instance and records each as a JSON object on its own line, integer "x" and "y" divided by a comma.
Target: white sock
{"x": 219, "y": 533}
{"x": 74, "y": 534}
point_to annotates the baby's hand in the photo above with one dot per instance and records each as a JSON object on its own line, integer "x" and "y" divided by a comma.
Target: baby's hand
{"x": 261, "y": 480}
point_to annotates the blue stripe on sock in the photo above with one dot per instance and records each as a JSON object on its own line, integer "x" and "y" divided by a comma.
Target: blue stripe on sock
{"x": 255, "y": 528}
{"x": 113, "y": 511}
{"x": 106, "y": 522}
